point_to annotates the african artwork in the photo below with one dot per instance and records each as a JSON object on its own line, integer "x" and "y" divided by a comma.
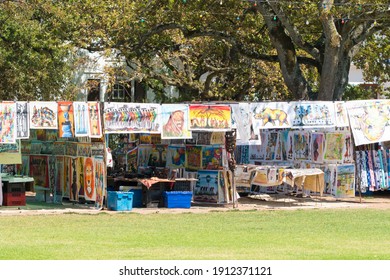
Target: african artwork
{"x": 206, "y": 189}
{"x": 81, "y": 118}
{"x": 23, "y": 129}
{"x": 210, "y": 117}
{"x": 334, "y": 147}
{"x": 311, "y": 114}
{"x": 7, "y": 122}
{"x": 43, "y": 115}
{"x": 174, "y": 119}
{"x": 341, "y": 114}
{"x": 317, "y": 147}
{"x": 270, "y": 115}
{"x": 369, "y": 120}
{"x": 65, "y": 119}
{"x": 131, "y": 117}
{"x": 89, "y": 183}
{"x": 94, "y": 124}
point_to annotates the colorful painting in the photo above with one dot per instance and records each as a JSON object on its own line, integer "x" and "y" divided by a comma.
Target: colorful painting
{"x": 194, "y": 157}
{"x": 59, "y": 179}
{"x": 81, "y": 176}
{"x": 100, "y": 179}
{"x": 176, "y": 157}
{"x": 73, "y": 180}
{"x": 345, "y": 184}
{"x": 241, "y": 154}
{"x": 39, "y": 170}
{"x": 89, "y": 179}
{"x": 256, "y": 152}
{"x": 131, "y": 117}
{"x": 369, "y": 120}
{"x": 212, "y": 157}
{"x": 84, "y": 149}
{"x": 174, "y": 119}
{"x": 94, "y": 123}
{"x": 43, "y": 115}
{"x": 7, "y": 122}
{"x": 348, "y": 149}
{"x": 81, "y": 118}
{"x": 23, "y": 129}
{"x": 312, "y": 114}
{"x": 270, "y": 115}
{"x": 132, "y": 160}
{"x": 144, "y": 152}
{"x": 65, "y": 119}
{"x": 270, "y": 145}
{"x": 301, "y": 145}
{"x": 206, "y": 188}
{"x": 67, "y": 176}
{"x": 334, "y": 143}
{"x": 317, "y": 147}
{"x": 242, "y": 121}
{"x": 210, "y": 117}
{"x": 158, "y": 156}
{"x": 341, "y": 114}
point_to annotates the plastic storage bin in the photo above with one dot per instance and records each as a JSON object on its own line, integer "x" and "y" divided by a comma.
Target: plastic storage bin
{"x": 177, "y": 199}
{"x": 120, "y": 201}
{"x": 137, "y": 197}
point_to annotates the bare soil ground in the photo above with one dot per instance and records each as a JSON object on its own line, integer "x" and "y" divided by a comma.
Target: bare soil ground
{"x": 260, "y": 202}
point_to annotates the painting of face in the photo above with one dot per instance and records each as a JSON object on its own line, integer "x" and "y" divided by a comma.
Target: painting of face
{"x": 89, "y": 184}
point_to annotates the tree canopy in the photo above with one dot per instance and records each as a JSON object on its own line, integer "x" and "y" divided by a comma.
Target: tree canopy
{"x": 228, "y": 49}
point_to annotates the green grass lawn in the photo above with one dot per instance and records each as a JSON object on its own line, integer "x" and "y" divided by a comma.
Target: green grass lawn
{"x": 340, "y": 234}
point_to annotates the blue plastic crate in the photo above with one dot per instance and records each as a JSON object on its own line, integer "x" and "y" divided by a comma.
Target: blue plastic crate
{"x": 120, "y": 201}
{"x": 137, "y": 197}
{"x": 177, "y": 199}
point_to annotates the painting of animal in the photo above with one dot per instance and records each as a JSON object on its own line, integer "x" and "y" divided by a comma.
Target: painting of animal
{"x": 268, "y": 115}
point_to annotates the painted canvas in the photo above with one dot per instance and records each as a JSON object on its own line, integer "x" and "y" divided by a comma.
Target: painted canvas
{"x": 345, "y": 184}
{"x": 131, "y": 117}
{"x": 174, "y": 119}
{"x": 312, "y": 114}
{"x": 206, "y": 188}
{"x": 334, "y": 147}
{"x": 7, "y": 122}
{"x": 176, "y": 157}
{"x": 317, "y": 147}
{"x": 210, "y": 117}
{"x": 22, "y": 120}
{"x": 341, "y": 114}
{"x": 81, "y": 118}
{"x": 194, "y": 157}
{"x": 369, "y": 120}
{"x": 43, "y": 115}
{"x": 100, "y": 179}
{"x": 65, "y": 119}
{"x": 301, "y": 145}
{"x": 242, "y": 121}
{"x": 212, "y": 157}
{"x": 270, "y": 115}
{"x": 94, "y": 122}
{"x": 59, "y": 179}
{"x": 89, "y": 179}
{"x": 144, "y": 152}
{"x": 73, "y": 179}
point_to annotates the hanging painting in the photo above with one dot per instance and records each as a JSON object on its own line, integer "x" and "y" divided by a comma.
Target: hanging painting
{"x": 341, "y": 114}
{"x": 212, "y": 157}
{"x": 94, "y": 123}
{"x": 176, "y": 156}
{"x": 7, "y": 122}
{"x": 81, "y": 176}
{"x": 67, "y": 176}
{"x": 241, "y": 154}
{"x": 131, "y": 117}
{"x": 144, "y": 152}
{"x": 194, "y": 157}
{"x": 23, "y": 129}
{"x": 270, "y": 115}
{"x": 73, "y": 179}
{"x": 43, "y": 115}
{"x": 311, "y": 114}
{"x": 369, "y": 120}
{"x": 345, "y": 184}
{"x": 206, "y": 188}
{"x": 301, "y": 145}
{"x": 317, "y": 147}
{"x": 242, "y": 122}
{"x": 65, "y": 119}
{"x": 89, "y": 183}
{"x": 334, "y": 143}
{"x": 132, "y": 160}
{"x": 81, "y": 118}
{"x": 99, "y": 178}
{"x": 210, "y": 117}
{"x": 158, "y": 156}
{"x": 174, "y": 120}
